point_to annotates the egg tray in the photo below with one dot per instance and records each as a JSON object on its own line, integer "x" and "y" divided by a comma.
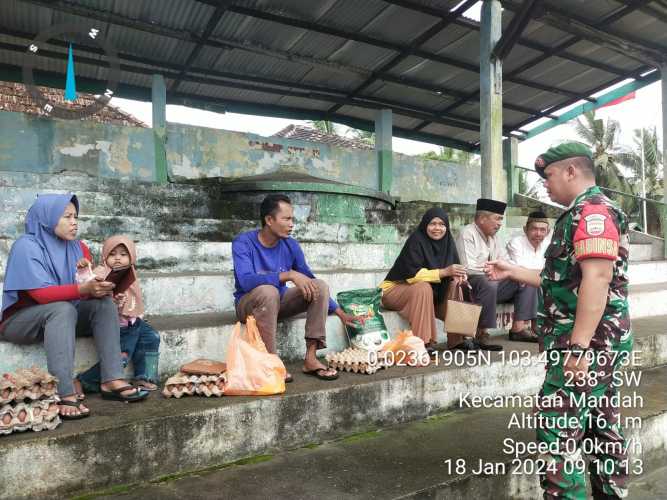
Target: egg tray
{"x": 32, "y": 384}
{"x": 355, "y": 360}
{"x": 183, "y": 384}
{"x": 40, "y": 415}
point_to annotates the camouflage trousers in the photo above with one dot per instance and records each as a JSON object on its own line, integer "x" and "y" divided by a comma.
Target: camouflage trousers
{"x": 581, "y": 419}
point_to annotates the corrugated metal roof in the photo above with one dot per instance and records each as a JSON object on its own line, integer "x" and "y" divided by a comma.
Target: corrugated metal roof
{"x": 344, "y": 59}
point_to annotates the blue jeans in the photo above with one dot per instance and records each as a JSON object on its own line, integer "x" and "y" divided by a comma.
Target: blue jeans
{"x": 138, "y": 342}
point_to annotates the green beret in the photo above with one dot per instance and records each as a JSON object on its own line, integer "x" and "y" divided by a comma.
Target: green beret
{"x": 561, "y": 152}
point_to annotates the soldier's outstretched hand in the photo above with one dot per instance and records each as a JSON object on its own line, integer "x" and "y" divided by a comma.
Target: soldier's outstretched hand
{"x": 497, "y": 270}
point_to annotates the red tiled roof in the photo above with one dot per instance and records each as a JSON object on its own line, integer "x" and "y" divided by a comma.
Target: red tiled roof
{"x": 13, "y": 97}
{"x": 310, "y": 134}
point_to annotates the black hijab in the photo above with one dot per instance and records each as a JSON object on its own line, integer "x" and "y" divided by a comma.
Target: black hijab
{"x": 420, "y": 252}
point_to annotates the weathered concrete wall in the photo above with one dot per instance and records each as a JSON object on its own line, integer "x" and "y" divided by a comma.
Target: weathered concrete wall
{"x": 41, "y": 145}
{"x": 419, "y": 179}
{"x": 195, "y": 152}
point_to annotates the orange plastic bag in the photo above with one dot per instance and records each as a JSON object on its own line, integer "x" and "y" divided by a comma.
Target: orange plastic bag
{"x": 251, "y": 370}
{"x": 406, "y": 350}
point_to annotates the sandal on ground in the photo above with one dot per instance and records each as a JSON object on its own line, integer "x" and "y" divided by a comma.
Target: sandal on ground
{"x": 117, "y": 394}
{"x": 289, "y": 378}
{"x": 74, "y": 404}
{"x": 431, "y": 350}
{"x": 320, "y": 373}
{"x": 146, "y": 385}
{"x": 486, "y": 346}
{"x": 466, "y": 345}
{"x": 78, "y": 387}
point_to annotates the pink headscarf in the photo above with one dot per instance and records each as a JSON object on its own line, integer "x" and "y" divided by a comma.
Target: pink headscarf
{"x": 134, "y": 305}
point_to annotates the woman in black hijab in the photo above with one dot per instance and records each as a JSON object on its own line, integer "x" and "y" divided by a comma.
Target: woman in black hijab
{"x": 417, "y": 283}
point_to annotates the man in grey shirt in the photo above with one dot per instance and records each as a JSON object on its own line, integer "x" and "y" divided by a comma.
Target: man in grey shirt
{"x": 477, "y": 243}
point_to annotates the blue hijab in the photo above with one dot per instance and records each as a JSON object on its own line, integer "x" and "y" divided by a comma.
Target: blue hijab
{"x": 39, "y": 258}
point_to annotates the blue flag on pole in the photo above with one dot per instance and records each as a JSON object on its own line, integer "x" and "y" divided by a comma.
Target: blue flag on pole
{"x": 70, "y": 84}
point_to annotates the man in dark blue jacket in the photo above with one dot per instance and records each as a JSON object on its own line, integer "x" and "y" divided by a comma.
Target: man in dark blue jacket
{"x": 264, "y": 261}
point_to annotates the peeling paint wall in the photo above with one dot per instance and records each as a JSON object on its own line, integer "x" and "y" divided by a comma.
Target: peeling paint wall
{"x": 195, "y": 152}
{"x": 431, "y": 180}
{"x": 43, "y": 145}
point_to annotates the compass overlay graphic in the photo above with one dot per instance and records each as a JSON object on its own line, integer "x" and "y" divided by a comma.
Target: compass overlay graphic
{"x": 74, "y": 35}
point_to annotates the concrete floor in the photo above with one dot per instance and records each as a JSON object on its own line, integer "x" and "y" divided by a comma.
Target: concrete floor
{"x": 403, "y": 461}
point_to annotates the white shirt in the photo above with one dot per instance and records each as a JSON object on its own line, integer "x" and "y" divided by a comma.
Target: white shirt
{"x": 522, "y": 252}
{"x": 475, "y": 249}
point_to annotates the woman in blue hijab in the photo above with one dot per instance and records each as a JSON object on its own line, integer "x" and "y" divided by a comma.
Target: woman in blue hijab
{"x": 41, "y": 302}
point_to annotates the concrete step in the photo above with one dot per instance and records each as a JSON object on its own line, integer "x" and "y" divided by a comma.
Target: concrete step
{"x": 641, "y": 252}
{"x": 206, "y": 292}
{"x": 652, "y": 247}
{"x": 175, "y": 294}
{"x": 648, "y": 300}
{"x": 189, "y": 336}
{"x": 642, "y": 273}
{"x": 187, "y": 293}
{"x": 179, "y": 228}
{"x": 410, "y": 460}
{"x": 650, "y": 486}
{"x": 206, "y": 199}
{"x": 123, "y": 444}
{"x": 216, "y": 256}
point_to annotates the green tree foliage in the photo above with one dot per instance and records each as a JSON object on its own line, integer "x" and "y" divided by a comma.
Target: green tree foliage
{"x": 632, "y": 159}
{"x": 653, "y": 161}
{"x": 364, "y": 136}
{"x": 602, "y": 137}
{"x": 324, "y": 126}
{"x": 452, "y": 155}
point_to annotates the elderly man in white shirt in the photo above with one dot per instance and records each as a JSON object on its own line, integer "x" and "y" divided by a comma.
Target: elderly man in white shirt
{"x": 527, "y": 250}
{"x": 477, "y": 243}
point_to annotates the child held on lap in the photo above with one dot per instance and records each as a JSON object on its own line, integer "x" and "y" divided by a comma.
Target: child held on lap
{"x": 139, "y": 342}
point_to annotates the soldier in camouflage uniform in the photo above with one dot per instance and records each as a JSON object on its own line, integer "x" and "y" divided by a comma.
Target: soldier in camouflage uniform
{"x": 584, "y": 328}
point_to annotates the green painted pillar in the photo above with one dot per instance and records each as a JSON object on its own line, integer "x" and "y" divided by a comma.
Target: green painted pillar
{"x": 510, "y": 159}
{"x": 663, "y": 74}
{"x": 494, "y": 182}
{"x": 383, "y": 134}
{"x": 159, "y": 102}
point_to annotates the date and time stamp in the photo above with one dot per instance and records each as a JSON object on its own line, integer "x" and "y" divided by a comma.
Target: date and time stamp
{"x": 621, "y": 370}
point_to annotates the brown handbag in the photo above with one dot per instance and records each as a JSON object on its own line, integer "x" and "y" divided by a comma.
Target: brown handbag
{"x": 461, "y": 317}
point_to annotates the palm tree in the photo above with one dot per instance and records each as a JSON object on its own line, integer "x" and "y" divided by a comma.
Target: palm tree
{"x": 602, "y": 137}
{"x": 364, "y": 136}
{"x": 646, "y": 142}
{"x": 324, "y": 126}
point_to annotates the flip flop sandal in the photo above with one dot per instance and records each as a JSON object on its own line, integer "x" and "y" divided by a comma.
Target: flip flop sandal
{"x": 289, "y": 379}
{"x": 466, "y": 345}
{"x": 116, "y": 394}
{"x": 321, "y": 376}
{"x": 140, "y": 385}
{"x": 75, "y": 404}
{"x": 80, "y": 395}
